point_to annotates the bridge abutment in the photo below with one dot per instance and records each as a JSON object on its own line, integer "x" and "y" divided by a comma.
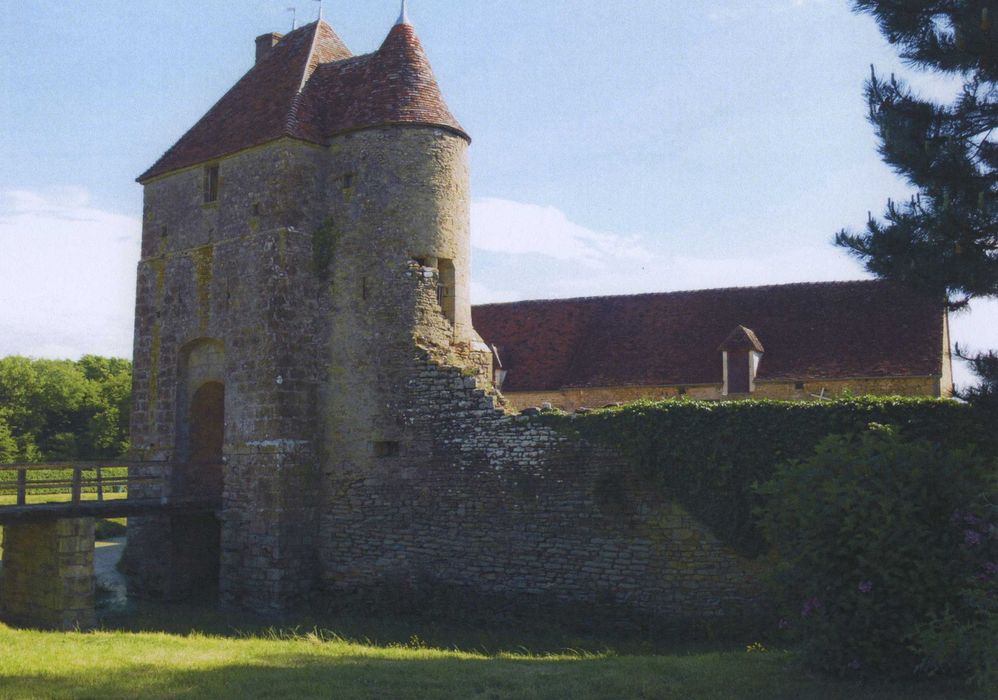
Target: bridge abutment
{"x": 48, "y": 574}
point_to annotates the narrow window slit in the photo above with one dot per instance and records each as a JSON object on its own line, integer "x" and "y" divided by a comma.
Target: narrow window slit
{"x": 210, "y": 184}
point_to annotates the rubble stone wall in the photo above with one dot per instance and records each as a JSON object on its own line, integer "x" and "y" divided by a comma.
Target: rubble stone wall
{"x": 499, "y": 504}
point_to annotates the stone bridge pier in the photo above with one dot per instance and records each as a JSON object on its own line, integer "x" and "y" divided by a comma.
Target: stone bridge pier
{"x": 47, "y": 579}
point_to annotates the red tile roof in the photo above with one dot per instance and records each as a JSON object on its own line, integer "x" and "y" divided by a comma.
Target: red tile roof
{"x": 311, "y": 87}
{"x": 830, "y": 330}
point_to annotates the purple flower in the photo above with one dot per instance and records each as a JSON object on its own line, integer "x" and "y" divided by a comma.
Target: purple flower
{"x": 854, "y": 665}
{"x": 784, "y": 624}
{"x": 865, "y": 586}
{"x": 990, "y": 568}
{"x": 972, "y": 519}
{"x": 810, "y": 605}
{"x": 972, "y": 537}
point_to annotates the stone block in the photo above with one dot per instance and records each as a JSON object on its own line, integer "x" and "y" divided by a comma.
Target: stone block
{"x": 48, "y": 574}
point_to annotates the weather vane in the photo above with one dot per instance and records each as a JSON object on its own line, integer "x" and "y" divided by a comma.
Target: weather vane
{"x": 294, "y": 17}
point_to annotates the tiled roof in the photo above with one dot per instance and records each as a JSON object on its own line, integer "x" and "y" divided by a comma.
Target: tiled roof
{"x": 830, "y": 330}
{"x": 310, "y": 87}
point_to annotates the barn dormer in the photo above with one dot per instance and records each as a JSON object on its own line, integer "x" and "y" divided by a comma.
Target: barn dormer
{"x": 741, "y": 353}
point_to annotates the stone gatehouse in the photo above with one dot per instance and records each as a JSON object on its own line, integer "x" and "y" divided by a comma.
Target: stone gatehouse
{"x": 304, "y": 347}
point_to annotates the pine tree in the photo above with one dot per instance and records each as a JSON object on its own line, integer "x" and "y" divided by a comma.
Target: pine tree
{"x": 945, "y": 239}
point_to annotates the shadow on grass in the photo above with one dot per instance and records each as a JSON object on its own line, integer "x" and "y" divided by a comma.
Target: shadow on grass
{"x": 461, "y": 628}
{"x": 323, "y": 675}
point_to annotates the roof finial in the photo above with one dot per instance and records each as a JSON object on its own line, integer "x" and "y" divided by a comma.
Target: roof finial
{"x": 294, "y": 17}
{"x": 320, "y": 7}
{"x": 404, "y": 15}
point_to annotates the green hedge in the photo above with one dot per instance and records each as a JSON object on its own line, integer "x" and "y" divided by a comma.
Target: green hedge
{"x": 8, "y": 479}
{"x": 708, "y": 455}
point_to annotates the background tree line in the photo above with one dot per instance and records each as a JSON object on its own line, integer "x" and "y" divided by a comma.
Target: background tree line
{"x": 64, "y": 409}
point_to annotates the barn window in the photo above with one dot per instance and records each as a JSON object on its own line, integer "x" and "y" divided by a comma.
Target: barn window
{"x": 210, "y": 184}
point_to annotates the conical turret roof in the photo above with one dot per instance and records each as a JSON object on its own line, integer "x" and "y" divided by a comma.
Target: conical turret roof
{"x": 399, "y": 87}
{"x": 311, "y": 87}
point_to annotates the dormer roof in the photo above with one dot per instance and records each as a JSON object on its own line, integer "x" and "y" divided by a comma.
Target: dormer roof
{"x": 310, "y": 87}
{"x": 741, "y": 339}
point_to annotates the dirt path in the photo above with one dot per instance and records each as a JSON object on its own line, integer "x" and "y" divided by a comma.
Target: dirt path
{"x": 106, "y": 557}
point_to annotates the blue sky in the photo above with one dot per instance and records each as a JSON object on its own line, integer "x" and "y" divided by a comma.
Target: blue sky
{"x": 618, "y": 147}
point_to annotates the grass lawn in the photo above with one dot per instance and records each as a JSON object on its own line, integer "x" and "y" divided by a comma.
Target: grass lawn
{"x": 165, "y": 654}
{"x": 10, "y": 499}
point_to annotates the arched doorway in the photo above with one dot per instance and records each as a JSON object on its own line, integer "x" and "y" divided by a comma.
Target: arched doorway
{"x": 197, "y": 538}
{"x": 207, "y": 435}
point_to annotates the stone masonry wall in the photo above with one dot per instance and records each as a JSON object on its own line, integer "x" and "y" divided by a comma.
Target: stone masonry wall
{"x": 876, "y": 386}
{"x": 502, "y": 505}
{"x": 48, "y": 574}
{"x": 235, "y": 275}
{"x": 596, "y": 397}
{"x": 408, "y": 199}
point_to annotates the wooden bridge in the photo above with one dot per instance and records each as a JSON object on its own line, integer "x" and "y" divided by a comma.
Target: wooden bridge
{"x": 110, "y": 489}
{"x": 47, "y": 512}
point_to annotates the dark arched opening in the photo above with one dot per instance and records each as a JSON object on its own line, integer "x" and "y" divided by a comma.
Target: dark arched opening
{"x": 197, "y": 538}
{"x": 207, "y": 426}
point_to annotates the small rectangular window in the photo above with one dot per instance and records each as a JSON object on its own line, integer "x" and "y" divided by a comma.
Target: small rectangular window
{"x": 385, "y": 448}
{"x": 210, "y": 184}
{"x": 347, "y": 181}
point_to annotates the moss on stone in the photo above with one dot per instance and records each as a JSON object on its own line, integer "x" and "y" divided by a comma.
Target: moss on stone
{"x": 324, "y": 241}
{"x": 154, "y": 349}
{"x": 203, "y": 258}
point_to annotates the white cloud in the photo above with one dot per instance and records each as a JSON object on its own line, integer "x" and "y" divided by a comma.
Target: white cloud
{"x": 67, "y": 275}
{"x": 976, "y": 330}
{"x": 535, "y": 252}
{"x": 515, "y": 228}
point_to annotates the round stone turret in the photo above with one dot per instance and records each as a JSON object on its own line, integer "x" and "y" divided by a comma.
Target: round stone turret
{"x": 399, "y": 198}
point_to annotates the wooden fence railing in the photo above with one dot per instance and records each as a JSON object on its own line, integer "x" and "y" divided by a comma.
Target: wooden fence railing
{"x": 78, "y": 478}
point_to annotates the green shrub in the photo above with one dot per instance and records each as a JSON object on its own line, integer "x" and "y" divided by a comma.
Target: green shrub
{"x": 964, "y": 639}
{"x": 110, "y": 529}
{"x": 707, "y": 455}
{"x": 8, "y": 446}
{"x": 878, "y": 537}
